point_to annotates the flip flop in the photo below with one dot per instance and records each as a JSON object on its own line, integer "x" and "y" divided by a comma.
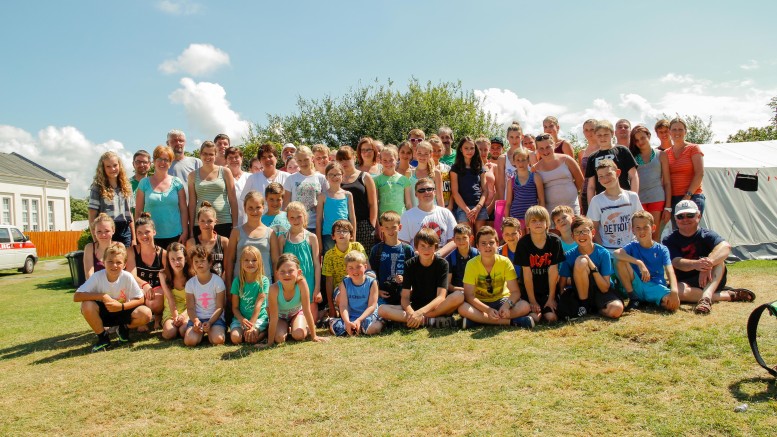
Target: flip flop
{"x": 741, "y": 295}
{"x": 704, "y": 306}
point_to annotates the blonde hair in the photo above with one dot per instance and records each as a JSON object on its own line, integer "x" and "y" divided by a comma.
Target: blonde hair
{"x": 250, "y": 250}
{"x": 429, "y": 164}
{"x": 113, "y": 249}
{"x": 253, "y": 194}
{"x": 303, "y": 150}
{"x": 538, "y": 212}
{"x": 642, "y": 214}
{"x": 299, "y": 207}
{"x": 515, "y": 127}
{"x": 207, "y": 145}
{"x": 355, "y": 256}
{"x": 551, "y": 119}
{"x": 102, "y": 217}
{"x": 101, "y": 179}
{"x": 392, "y": 149}
{"x": 416, "y": 133}
{"x": 604, "y": 125}
{"x": 320, "y": 148}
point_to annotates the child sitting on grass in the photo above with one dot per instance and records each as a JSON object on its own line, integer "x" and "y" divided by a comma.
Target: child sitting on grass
{"x": 644, "y": 267}
{"x": 249, "y": 303}
{"x": 204, "y": 301}
{"x": 562, "y": 216}
{"x": 458, "y": 259}
{"x": 357, "y": 300}
{"x": 586, "y": 271}
{"x": 334, "y": 268}
{"x": 112, "y": 297}
{"x": 424, "y": 288}
{"x": 173, "y": 278}
{"x": 388, "y": 259}
{"x": 491, "y": 288}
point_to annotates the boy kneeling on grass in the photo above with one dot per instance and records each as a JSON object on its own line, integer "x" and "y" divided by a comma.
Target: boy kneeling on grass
{"x": 423, "y": 301}
{"x": 112, "y": 297}
{"x": 585, "y": 274}
{"x": 491, "y": 287}
{"x": 643, "y": 264}
{"x": 357, "y": 300}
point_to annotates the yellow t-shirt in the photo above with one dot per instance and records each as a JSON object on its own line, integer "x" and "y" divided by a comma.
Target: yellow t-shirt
{"x": 503, "y": 271}
{"x": 180, "y": 303}
{"x": 334, "y": 262}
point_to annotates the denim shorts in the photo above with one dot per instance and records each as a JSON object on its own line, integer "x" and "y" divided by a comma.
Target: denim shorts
{"x": 338, "y": 326}
{"x": 497, "y": 304}
{"x": 461, "y": 216}
{"x": 219, "y": 322}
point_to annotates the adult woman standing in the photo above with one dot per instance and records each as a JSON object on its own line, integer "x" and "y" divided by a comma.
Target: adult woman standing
{"x": 561, "y": 176}
{"x": 655, "y": 186}
{"x": 234, "y": 157}
{"x": 550, "y": 126}
{"x": 686, "y": 167}
{"x": 589, "y": 131}
{"x": 164, "y": 197}
{"x": 367, "y": 158}
{"x": 216, "y": 185}
{"x": 365, "y": 199}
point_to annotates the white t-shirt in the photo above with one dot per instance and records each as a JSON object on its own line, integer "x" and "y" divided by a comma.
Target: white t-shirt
{"x": 240, "y": 184}
{"x": 259, "y": 182}
{"x": 124, "y": 289}
{"x": 439, "y": 219}
{"x": 205, "y": 295}
{"x": 614, "y": 217}
{"x": 306, "y": 189}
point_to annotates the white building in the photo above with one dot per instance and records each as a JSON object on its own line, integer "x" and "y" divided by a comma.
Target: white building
{"x": 31, "y": 196}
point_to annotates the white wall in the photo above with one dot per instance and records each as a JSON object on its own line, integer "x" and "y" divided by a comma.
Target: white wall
{"x": 43, "y": 192}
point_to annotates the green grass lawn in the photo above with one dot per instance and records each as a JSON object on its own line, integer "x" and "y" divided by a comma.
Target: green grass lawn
{"x": 646, "y": 374}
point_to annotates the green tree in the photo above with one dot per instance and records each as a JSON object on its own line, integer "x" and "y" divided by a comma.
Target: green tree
{"x": 380, "y": 111}
{"x": 754, "y": 134}
{"x": 699, "y": 132}
{"x": 79, "y": 209}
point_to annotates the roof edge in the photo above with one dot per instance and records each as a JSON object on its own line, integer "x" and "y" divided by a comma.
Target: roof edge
{"x": 40, "y": 167}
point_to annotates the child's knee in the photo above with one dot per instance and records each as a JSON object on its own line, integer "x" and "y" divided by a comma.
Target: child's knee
{"x": 236, "y": 336}
{"x": 191, "y": 340}
{"x": 299, "y": 334}
{"x": 457, "y": 298}
{"x": 142, "y": 314}
{"x": 550, "y": 317}
{"x": 216, "y": 338}
{"x": 463, "y": 309}
{"x": 280, "y": 338}
{"x": 89, "y": 307}
{"x": 581, "y": 264}
{"x": 169, "y": 332}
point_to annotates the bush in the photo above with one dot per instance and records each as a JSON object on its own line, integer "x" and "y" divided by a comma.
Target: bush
{"x": 84, "y": 239}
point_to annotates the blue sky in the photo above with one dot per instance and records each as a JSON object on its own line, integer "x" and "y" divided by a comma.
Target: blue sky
{"x": 82, "y": 77}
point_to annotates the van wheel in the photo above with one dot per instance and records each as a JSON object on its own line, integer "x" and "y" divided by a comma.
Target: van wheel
{"x": 29, "y": 265}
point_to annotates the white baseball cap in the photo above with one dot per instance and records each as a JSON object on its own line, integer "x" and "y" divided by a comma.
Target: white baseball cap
{"x": 685, "y": 206}
{"x": 290, "y": 146}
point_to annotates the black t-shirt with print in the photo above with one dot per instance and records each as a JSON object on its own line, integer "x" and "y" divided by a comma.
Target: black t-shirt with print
{"x": 622, "y": 158}
{"x": 539, "y": 260}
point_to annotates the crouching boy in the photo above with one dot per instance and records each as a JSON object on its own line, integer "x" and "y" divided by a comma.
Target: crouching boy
{"x": 491, "y": 287}
{"x": 357, "y": 300}
{"x": 587, "y": 269}
{"x": 642, "y": 265}
{"x": 112, "y": 297}
{"x": 423, "y": 301}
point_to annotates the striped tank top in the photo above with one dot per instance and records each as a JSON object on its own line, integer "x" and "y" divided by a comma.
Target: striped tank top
{"x": 524, "y": 197}
{"x": 215, "y": 192}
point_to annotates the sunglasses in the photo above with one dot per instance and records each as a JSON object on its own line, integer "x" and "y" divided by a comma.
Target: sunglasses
{"x": 685, "y": 216}
{"x": 416, "y": 140}
{"x": 425, "y": 190}
{"x": 489, "y": 284}
{"x": 543, "y": 137}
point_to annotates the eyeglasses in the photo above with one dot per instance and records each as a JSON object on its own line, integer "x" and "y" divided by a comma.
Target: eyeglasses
{"x": 685, "y": 216}
{"x": 416, "y": 140}
{"x": 163, "y": 160}
{"x": 335, "y": 175}
{"x": 582, "y": 232}
{"x": 489, "y": 284}
{"x": 425, "y": 190}
{"x": 368, "y": 150}
{"x": 342, "y": 231}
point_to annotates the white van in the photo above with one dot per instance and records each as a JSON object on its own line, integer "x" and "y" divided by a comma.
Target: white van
{"x": 16, "y": 250}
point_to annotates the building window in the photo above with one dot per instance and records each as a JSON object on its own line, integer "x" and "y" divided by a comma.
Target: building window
{"x": 51, "y": 215}
{"x": 6, "y": 212}
{"x": 26, "y": 214}
{"x": 34, "y": 216}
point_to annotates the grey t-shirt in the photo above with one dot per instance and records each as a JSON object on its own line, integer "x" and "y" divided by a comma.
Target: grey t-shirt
{"x": 182, "y": 168}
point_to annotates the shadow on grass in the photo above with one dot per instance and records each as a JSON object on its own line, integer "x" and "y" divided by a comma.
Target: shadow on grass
{"x": 57, "y": 284}
{"x": 757, "y": 389}
{"x": 64, "y": 341}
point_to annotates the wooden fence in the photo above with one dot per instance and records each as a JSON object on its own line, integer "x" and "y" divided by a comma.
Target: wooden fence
{"x": 54, "y": 243}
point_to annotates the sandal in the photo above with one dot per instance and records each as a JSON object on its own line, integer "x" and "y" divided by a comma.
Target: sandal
{"x": 741, "y": 295}
{"x": 704, "y": 306}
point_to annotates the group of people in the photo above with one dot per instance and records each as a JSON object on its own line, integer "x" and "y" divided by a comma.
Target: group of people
{"x": 353, "y": 239}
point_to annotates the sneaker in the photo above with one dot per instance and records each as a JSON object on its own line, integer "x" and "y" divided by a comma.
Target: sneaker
{"x": 633, "y": 305}
{"x": 523, "y": 322}
{"x": 111, "y": 329}
{"x": 123, "y": 334}
{"x": 103, "y": 343}
{"x": 444, "y": 322}
{"x": 581, "y": 311}
{"x": 468, "y": 324}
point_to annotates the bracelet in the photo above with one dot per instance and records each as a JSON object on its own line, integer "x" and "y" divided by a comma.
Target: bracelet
{"x": 668, "y": 209}
{"x": 122, "y": 306}
{"x": 143, "y": 284}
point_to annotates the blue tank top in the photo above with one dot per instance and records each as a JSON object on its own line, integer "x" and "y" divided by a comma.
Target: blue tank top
{"x": 358, "y": 296}
{"x": 334, "y": 209}
{"x": 524, "y": 197}
{"x": 288, "y": 307}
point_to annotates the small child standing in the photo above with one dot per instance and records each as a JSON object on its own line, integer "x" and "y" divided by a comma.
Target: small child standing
{"x": 249, "y": 305}
{"x": 458, "y": 259}
{"x": 111, "y": 297}
{"x": 173, "y": 279}
{"x": 204, "y": 301}
{"x": 388, "y": 258}
{"x": 393, "y": 187}
{"x": 334, "y": 204}
{"x": 621, "y": 156}
{"x": 423, "y": 300}
{"x": 562, "y": 216}
{"x": 644, "y": 267}
{"x": 524, "y": 188}
{"x": 357, "y": 300}
{"x": 334, "y": 268}
{"x": 288, "y": 299}
{"x": 303, "y": 244}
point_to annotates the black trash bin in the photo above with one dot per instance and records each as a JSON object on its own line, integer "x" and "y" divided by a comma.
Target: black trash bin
{"x": 75, "y": 261}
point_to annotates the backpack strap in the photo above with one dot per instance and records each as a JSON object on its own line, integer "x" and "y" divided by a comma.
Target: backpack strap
{"x": 752, "y": 328}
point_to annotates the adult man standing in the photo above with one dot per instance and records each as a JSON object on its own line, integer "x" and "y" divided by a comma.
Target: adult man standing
{"x": 698, "y": 257}
{"x": 446, "y": 136}
{"x": 182, "y": 165}
{"x": 222, "y": 143}
{"x": 623, "y": 132}
{"x": 141, "y": 162}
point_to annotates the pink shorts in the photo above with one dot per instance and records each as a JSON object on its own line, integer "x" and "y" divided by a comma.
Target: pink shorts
{"x": 653, "y": 206}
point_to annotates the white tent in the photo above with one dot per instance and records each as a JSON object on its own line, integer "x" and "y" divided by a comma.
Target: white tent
{"x": 747, "y": 220}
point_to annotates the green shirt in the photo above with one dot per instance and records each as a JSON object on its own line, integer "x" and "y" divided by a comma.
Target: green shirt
{"x": 448, "y": 159}
{"x": 251, "y": 292}
{"x": 391, "y": 192}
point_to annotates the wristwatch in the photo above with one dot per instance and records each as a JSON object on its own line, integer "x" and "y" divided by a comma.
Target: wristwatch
{"x": 689, "y": 194}
{"x": 594, "y": 269}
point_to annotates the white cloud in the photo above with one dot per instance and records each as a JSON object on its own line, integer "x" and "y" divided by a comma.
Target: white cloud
{"x": 63, "y": 150}
{"x": 208, "y": 109}
{"x": 178, "y": 7}
{"x": 733, "y": 105}
{"x": 196, "y": 60}
{"x": 749, "y": 65}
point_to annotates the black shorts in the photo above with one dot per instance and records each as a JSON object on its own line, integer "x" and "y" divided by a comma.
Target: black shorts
{"x": 541, "y": 297}
{"x": 693, "y": 281}
{"x": 596, "y": 299}
{"x": 114, "y": 319}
